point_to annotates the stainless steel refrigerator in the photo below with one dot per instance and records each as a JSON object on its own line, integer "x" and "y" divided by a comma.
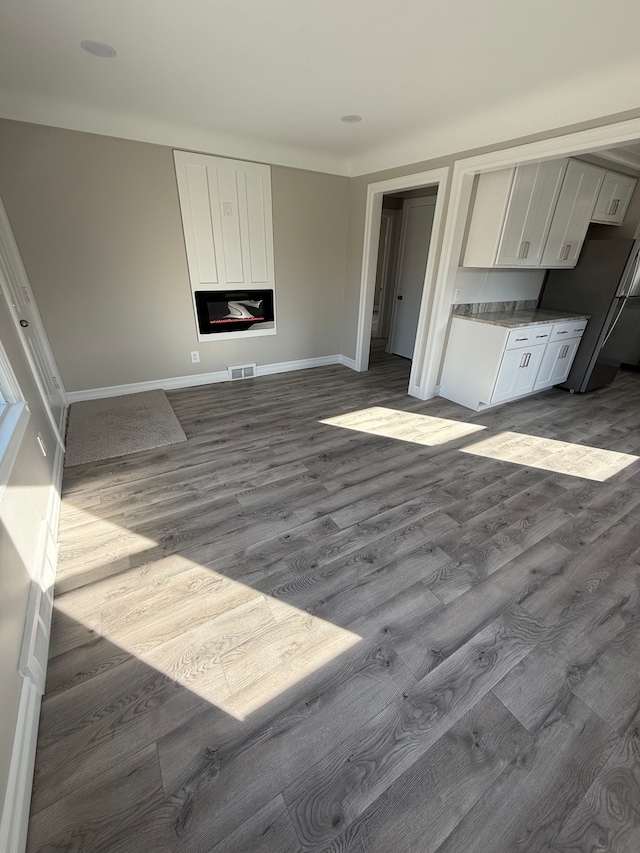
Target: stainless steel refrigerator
{"x": 605, "y": 284}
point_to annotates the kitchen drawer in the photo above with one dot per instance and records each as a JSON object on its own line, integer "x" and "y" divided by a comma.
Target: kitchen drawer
{"x": 529, "y": 336}
{"x": 564, "y": 331}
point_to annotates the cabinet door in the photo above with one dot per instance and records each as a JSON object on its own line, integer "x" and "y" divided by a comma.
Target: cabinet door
{"x": 572, "y": 215}
{"x": 564, "y": 361}
{"x": 526, "y": 378}
{"x": 613, "y": 199}
{"x": 535, "y": 191}
{"x": 517, "y": 373}
{"x": 511, "y": 364}
{"x": 556, "y": 363}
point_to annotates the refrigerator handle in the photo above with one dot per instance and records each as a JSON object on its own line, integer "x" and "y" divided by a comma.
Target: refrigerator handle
{"x": 632, "y": 288}
{"x": 623, "y": 302}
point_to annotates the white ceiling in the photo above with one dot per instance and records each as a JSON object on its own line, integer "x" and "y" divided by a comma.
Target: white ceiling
{"x": 269, "y": 79}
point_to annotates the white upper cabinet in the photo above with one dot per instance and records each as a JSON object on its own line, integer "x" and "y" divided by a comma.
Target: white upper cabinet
{"x": 572, "y": 215}
{"x": 535, "y": 215}
{"x": 512, "y": 215}
{"x": 227, "y": 222}
{"x": 613, "y": 199}
{"x": 528, "y": 217}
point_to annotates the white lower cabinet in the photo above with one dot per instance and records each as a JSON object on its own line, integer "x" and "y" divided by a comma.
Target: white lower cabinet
{"x": 517, "y": 373}
{"x": 556, "y": 363}
{"x": 488, "y": 364}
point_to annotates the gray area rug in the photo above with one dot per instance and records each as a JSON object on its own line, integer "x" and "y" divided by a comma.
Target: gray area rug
{"x": 103, "y": 429}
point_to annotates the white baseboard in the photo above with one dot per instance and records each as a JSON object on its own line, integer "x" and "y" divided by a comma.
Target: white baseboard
{"x": 175, "y": 382}
{"x": 169, "y": 384}
{"x": 300, "y": 364}
{"x": 348, "y": 362}
{"x": 15, "y": 811}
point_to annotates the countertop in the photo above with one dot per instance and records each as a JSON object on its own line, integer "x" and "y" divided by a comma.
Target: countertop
{"x": 514, "y": 319}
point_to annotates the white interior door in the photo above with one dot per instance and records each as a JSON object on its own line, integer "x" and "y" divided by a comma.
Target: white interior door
{"x": 417, "y": 222}
{"x": 17, "y": 291}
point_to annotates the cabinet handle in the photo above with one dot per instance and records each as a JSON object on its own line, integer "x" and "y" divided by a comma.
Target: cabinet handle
{"x": 563, "y": 333}
{"x": 613, "y": 207}
{"x": 526, "y": 358}
{"x": 542, "y": 336}
{"x": 522, "y": 339}
{"x": 524, "y": 249}
{"x": 564, "y": 351}
{"x": 564, "y": 252}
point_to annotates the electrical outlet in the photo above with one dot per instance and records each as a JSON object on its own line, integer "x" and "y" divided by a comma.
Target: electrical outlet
{"x": 195, "y": 356}
{"x": 456, "y": 294}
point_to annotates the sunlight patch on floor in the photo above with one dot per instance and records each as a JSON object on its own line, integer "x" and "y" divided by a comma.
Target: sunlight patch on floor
{"x": 95, "y": 543}
{"x": 577, "y": 460}
{"x": 404, "y": 426}
{"x": 90, "y": 530}
{"x": 228, "y": 643}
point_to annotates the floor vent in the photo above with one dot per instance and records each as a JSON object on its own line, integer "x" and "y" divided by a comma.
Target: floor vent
{"x": 242, "y": 371}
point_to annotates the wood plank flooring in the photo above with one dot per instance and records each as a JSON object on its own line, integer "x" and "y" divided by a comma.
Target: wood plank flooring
{"x": 341, "y": 619}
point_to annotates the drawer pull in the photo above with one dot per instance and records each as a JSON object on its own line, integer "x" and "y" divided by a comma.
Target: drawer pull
{"x": 542, "y": 336}
{"x": 563, "y": 333}
{"x": 522, "y": 339}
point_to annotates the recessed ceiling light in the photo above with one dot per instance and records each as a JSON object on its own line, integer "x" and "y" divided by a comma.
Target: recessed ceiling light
{"x": 351, "y": 119}
{"x": 98, "y": 48}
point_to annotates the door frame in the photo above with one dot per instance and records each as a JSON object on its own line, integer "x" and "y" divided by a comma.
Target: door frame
{"x": 459, "y": 203}
{"x": 373, "y": 213}
{"x": 407, "y": 203}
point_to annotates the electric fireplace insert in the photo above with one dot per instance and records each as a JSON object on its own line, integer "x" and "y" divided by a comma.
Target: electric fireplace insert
{"x": 232, "y": 310}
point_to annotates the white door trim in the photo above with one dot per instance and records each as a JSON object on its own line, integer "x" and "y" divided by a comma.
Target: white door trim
{"x": 464, "y": 171}
{"x": 373, "y": 213}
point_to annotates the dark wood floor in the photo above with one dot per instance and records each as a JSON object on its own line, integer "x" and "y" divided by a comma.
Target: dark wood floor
{"x": 341, "y": 619}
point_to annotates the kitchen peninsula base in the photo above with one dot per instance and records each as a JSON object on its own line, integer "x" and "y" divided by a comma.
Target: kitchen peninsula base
{"x": 496, "y": 357}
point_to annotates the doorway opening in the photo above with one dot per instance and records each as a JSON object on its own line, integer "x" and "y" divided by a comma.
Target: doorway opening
{"x": 403, "y": 223}
{"x": 405, "y": 235}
